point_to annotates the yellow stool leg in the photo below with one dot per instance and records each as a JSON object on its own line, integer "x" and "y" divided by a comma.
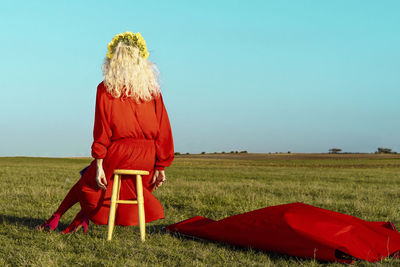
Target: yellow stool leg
{"x": 139, "y": 192}
{"x": 113, "y": 207}
{"x": 119, "y": 186}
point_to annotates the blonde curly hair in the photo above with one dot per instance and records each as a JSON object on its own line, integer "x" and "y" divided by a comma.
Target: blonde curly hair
{"x": 127, "y": 74}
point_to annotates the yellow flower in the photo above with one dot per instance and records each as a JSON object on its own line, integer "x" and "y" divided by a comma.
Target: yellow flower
{"x": 129, "y": 38}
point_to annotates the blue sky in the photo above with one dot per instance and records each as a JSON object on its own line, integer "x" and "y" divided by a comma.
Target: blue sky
{"x": 262, "y": 76}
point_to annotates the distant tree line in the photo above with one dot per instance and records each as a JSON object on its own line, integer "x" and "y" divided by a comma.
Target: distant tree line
{"x": 334, "y": 150}
{"x": 383, "y": 150}
{"x": 380, "y": 150}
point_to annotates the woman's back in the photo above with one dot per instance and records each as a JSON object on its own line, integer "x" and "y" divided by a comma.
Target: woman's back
{"x": 123, "y": 118}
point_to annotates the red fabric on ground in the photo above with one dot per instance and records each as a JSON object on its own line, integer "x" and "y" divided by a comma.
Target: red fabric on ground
{"x": 127, "y": 135}
{"x": 300, "y": 230}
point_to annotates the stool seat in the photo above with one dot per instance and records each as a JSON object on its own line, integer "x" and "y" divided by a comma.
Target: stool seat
{"x": 139, "y": 199}
{"x": 130, "y": 172}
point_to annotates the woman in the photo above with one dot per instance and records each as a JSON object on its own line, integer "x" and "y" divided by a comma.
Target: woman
{"x": 131, "y": 131}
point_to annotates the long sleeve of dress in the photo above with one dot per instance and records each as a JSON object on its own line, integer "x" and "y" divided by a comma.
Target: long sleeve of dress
{"x": 101, "y": 131}
{"x": 164, "y": 141}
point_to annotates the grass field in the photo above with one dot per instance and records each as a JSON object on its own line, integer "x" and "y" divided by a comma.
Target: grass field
{"x": 211, "y": 185}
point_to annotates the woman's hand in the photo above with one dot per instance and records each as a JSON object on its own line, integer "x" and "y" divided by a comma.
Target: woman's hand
{"x": 158, "y": 178}
{"x": 100, "y": 175}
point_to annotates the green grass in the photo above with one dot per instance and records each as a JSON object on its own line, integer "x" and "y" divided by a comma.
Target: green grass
{"x": 213, "y": 186}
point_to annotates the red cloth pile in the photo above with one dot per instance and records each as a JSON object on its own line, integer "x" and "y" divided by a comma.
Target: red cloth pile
{"x": 300, "y": 230}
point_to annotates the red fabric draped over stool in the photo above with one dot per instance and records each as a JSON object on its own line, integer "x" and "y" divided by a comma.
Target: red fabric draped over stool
{"x": 300, "y": 230}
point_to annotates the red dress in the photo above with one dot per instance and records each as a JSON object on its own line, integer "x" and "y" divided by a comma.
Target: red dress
{"x": 127, "y": 135}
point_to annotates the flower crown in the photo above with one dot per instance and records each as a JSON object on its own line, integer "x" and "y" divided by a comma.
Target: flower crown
{"x": 131, "y": 39}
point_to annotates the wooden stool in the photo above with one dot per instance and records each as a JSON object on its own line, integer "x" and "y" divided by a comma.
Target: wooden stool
{"x": 139, "y": 200}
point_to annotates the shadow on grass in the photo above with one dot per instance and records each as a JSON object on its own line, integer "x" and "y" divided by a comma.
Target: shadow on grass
{"x": 156, "y": 229}
{"x": 33, "y": 222}
{"x": 26, "y": 221}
